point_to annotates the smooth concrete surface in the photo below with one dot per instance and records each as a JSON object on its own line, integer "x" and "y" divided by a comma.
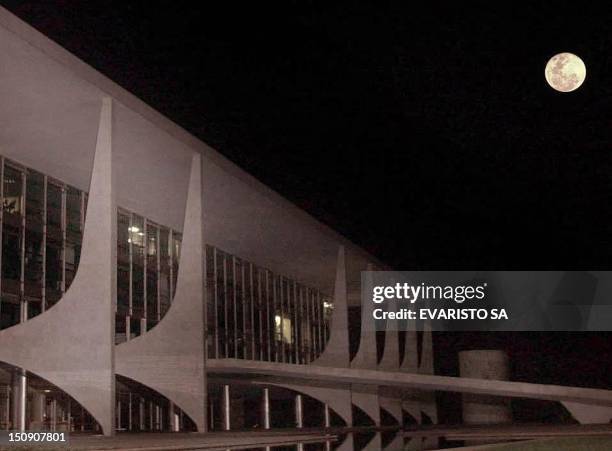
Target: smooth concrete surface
{"x": 419, "y": 381}
{"x": 491, "y": 365}
{"x": 170, "y": 357}
{"x": 336, "y": 352}
{"x": 589, "y": 414}
{"x": 71, "y": 345}
{"x": 366, "y": 356}
{"x": 364, "y": 396}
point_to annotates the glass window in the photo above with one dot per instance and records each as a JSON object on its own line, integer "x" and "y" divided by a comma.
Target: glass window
{"x": 176, "y": 257}
{"x": 53, "y": 271}
{"x": 123, "y": 263}
{"x": 138, "y": 276}
{"x": 247, "y": 302}
{"x": 211, "y": 303}
{"x": 164, "y": 271}
{"x": 152, "y": 276}
{"x": 12, "y": 231}
{"x": 230, "y": 303}
{"x": 34, "y": 242}
{"x": 72, "y": 253}
{"x": 221, "y": 304}
{"x": 54, "y": 209}
{"x": 73, "y": 210}
{"x": 239, "y": 308}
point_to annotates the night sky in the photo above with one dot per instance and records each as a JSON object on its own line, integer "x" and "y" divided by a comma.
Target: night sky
{"x": 423, "y": 131}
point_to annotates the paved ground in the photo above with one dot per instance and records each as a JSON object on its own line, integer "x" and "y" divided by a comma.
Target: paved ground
{"x": 559, "y": 444}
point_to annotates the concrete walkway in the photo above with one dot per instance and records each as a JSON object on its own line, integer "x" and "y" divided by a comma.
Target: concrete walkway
{"x": 332, "y": 375}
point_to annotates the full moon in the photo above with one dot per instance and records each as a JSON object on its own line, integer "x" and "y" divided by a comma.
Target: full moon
{"x": 565, "y": 72}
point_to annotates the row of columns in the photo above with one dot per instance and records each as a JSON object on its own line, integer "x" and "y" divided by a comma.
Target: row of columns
{"x": 265, "y": 409}
{"x": 15, "y": 414}
{"x": 156, "y": 416}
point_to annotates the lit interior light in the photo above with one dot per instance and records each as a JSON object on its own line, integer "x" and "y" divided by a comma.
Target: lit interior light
{"x": 134, "y": 229}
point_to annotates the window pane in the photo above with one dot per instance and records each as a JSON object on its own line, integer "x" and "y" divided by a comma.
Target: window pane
{"x": 73, "y": 210}
{"x": 164, "y": 263}
{"x": 54, "y": 208}
{"x": 123, "y": 264}
{"x": 176, "y": 257}
{"x": 152, "y": 276}
{"x": 12, "y": 231}
{"x": 138, "y": 277}
{"x": 33, "y": 264}
{"x": 53, "y": 271}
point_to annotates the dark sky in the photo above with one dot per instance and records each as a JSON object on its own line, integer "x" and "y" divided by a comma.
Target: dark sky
{"x": 424, "y": 132}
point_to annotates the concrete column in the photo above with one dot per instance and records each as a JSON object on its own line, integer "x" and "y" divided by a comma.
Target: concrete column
{"x": 485, "y": 364}
{"x": 19, "y": 399}
{"x": 265, "y": 408}
{"x": 299, "y": 411}
{"x": 226, "y": 407}
{"x": 54, "y": 415}
{"x": 38, "y": 410}
{"x": 173, "y": 418}
{"x": 151, "y": 423}
{"x": 141, "y": 414}
{"x": 159, "y": 425}
{"x": 299, "y": 417}
{"x": 118, "y": 415}
{"x": 130, "y": 411}
{"x": 327, "y": 424}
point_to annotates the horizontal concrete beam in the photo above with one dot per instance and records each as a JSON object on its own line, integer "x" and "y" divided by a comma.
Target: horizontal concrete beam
{"x": 418, "y": 381}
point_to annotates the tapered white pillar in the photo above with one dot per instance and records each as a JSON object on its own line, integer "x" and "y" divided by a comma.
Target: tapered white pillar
{"x": 178, "y": 339}
{"x": 60, "y": 340}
